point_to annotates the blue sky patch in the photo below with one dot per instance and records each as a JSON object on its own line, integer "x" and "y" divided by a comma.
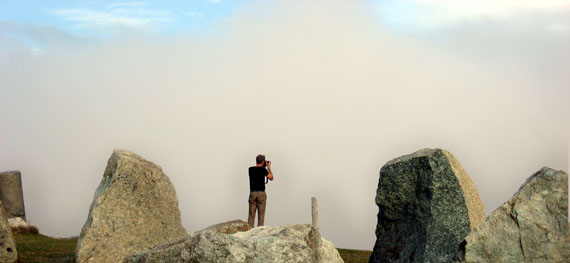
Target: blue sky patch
{"x": 108, "y": 18}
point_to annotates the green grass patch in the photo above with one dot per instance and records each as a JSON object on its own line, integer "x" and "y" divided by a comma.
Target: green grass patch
{"x": 39, "y": 248}
{"x": 354, "y": 256}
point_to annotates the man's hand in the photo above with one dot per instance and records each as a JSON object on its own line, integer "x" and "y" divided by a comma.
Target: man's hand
{"x": 270, "y": 175}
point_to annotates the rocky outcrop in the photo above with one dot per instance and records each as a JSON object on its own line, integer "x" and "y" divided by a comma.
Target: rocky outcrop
{"x": 230, "y": 227}
{"x": 427, "y": 206}
{"x": 134, "y": 209}
{"x": 8, "y": 253}
{"x": 531, "y": 227}
{"x": 12, "y": 194}
{"x": 288, "y": 243}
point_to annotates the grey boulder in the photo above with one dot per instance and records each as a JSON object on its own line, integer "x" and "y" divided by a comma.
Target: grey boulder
{"x": 8, "y": 253}
{"x": 134, "y": 209}
{"x": 427, "y": 206}
{"x": 531, "y": 227}
{"x": 287, "y": 244}
{"x": 12, "y": 194}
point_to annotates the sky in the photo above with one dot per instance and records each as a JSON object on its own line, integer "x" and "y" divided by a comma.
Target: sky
{"x": 329, "y": 91}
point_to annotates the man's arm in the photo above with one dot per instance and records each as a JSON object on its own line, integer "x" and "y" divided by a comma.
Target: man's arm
{"x": 270, "y": 174}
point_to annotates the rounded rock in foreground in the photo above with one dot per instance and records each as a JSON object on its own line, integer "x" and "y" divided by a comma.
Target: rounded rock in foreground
{"x": 134, "y": 208}
{"x": 288, "y": 243}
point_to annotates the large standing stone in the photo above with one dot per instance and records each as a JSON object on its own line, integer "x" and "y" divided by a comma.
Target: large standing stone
{"x": 11, "y": 194}
{"x": 8, "y": 253}
{"x": 427, "y": 206}
{"x": 531, "y": 227}
{"x": 288, "y": 243}
{"x": 134, "y": 208}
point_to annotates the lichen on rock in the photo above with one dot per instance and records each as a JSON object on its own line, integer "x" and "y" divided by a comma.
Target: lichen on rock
{"x": 288, "y": 243}
{"x": 427, "y": 205}
{"x": 230, "y": 227}
{"x": 8, "y": 252}
{"x": 134, "y": 208}
{"x": 530, "y": 227}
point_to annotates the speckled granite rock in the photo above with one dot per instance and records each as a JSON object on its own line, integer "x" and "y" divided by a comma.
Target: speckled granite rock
{"x": 230, "y": 227}
{"x": 134, "y": 209}
{"x": 288, "y": 243}
{"x": 8, "y": 253}
{"x": 427, "y": 206}
{"x": 12, "y": 194}
{"x": 531, "y": 227}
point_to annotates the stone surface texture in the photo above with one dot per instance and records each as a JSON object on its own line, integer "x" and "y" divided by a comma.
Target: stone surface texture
{"x": 134, "y": 209}
{"x": 531, "y": 227}
{"x": 427, "y": 206}
{"x": 12, "y": 194}
{"x": 8, "y": 253}
{"x": 230, "y": 227}
{"x": 287, "y": 244}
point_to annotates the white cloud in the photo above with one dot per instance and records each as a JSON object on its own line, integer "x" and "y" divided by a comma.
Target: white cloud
{"x": 127, "y": 14}
{"x": 559, "y": 28}
{"x": 194, "y": 14}
{"x": 127, "y": 4}
{"x": 36, "y": 51}
{"x": 493, "y": 8}
{"x": 214, "y": 1}
{"x": 100, "y": 18}
{"x": 437, "y": 13}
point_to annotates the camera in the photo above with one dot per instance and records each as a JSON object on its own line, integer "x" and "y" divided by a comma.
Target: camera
{"x": 265, "y": 163}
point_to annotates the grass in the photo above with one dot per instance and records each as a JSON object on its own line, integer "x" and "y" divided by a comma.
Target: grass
{"x": 35, "y": 247}
{"x": 354, "y": 256}
{"x": 39, "y": 248}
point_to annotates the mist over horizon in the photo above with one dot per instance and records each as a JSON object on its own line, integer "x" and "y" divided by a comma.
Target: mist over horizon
{"x": 328, "y": 91}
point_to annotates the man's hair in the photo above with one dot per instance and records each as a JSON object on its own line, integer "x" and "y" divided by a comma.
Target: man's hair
{"x": 259, "y": 159}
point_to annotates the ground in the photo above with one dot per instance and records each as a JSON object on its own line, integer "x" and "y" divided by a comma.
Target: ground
{"x": 39, "y": 248}
{"x": 354, "y": 256}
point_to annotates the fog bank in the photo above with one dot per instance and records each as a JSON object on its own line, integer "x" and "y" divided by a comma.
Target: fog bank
{"x": 329, "y": 93}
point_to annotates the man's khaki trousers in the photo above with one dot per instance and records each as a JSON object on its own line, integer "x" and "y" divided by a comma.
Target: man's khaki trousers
{"x": 256, "y": 202}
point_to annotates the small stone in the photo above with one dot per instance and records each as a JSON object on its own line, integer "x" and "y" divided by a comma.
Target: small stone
{"x": 17, "y": 222}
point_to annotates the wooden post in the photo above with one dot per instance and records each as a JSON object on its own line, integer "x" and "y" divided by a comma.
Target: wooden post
{"x": 315, "y": 210}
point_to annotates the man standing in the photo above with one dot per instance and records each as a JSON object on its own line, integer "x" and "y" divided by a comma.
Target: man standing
{"x": 257, "y": 196}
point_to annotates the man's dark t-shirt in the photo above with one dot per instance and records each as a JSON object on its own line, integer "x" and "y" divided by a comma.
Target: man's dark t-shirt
{"x": 257, "y": 178}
